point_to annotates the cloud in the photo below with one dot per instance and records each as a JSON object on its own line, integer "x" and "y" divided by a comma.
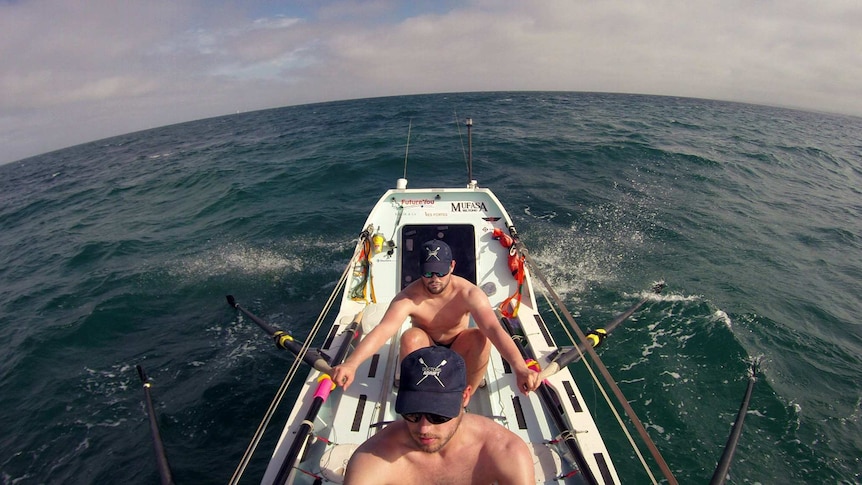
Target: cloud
{"x": 79, "y": 70}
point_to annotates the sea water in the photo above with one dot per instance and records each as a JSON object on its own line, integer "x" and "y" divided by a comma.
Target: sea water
{"x": 121, "y": 251}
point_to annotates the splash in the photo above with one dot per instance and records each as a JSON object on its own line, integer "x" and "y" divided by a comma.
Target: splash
{"x": 721, "y": 316}
{"x": 574, "y": 261}
{"x": 236, "y": 259}
{"x": 592, "y": 250}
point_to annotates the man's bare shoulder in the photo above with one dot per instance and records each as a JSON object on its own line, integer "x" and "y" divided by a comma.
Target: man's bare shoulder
{"x": 491, "y": 433}
{"x": 411, "y": 291}
{"x": 408, "y": 299}
{"x": 377, "y": 457}
{"x": 502, "y": 453}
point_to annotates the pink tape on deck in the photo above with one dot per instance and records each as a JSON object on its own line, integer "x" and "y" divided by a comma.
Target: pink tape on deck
{"x": 324, "y": 387}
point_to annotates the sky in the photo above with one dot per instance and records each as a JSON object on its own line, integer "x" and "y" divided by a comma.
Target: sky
{"x": 73, "y": 71}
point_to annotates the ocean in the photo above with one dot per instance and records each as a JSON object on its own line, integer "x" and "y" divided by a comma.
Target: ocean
{"x": 121, "y": 251}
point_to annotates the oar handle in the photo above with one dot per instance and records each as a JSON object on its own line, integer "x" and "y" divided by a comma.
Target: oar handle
{"x": 548, "y": 371}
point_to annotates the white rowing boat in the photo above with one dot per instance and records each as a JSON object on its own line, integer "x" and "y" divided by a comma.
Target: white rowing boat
{"x": 465, "y": 218}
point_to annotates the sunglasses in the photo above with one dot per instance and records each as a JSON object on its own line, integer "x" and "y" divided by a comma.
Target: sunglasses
{"x": 429, "y": 274}
{"x": 431, "y": 417}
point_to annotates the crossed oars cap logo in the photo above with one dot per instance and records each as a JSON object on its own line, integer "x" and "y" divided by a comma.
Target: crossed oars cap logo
{"x": 431, "y": 387}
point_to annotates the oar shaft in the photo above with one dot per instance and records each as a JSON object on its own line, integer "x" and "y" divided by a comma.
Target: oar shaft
{"x": 158, "y": 445}
{"x": 721, "y": 470}
{"x": 254, "y": 318}
{"x": 546, "y": 394}
{"x": 324, "y": 388}
{"x": 352, "y": 332}
{"x": 595, "y": 338}
{"x": 285, "y": 341}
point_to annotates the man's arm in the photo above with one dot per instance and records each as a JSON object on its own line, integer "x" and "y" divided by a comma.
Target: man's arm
{"x": 486, "y": 320}
{"x": 398, "y": 310}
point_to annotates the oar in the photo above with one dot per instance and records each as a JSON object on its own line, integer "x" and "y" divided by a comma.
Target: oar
{"x": 721, "y": 470}
{"x": 662, "y": 464}
{"x": 551, "y": 405}
{"x": 324, "y": 387}
{"x": 161, "y": 456}
{"x": 595, "y": 338}
{"x": 284, "y": 341}
{"x": 352, "y": 332}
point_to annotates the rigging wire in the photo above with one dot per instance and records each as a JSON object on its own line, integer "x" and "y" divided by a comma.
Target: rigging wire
{"x": 291, "y": 373}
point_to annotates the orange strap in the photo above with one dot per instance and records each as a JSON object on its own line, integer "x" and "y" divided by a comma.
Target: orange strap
{"x": 516, "y": 266}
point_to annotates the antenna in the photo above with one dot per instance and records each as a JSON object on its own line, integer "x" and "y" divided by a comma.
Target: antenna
{"x": 470, "y": 181}
{"x": 402, "y": 182}
{"x": 407, "y": 149}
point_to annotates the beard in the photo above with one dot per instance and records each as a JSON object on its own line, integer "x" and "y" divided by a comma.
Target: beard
{"x": 435, "y": 287}
{"x": 439, "y": 437}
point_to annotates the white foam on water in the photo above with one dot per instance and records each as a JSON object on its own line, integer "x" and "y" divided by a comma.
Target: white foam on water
{"x": 548, "y": 216}
{"x": 633, "y": 364}
{"x": 631, "y": 381}
{"x": 236, "y": 258}
{"x": 665, "y": 297}
{"x": 721, "y": 316}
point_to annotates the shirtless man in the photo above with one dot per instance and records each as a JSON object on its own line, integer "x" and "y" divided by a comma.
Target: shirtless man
{"x": 436, "y": 441}
{"x": 440, "y": 305}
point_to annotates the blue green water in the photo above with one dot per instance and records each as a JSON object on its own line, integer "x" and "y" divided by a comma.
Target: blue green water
{"x": 120, "y": 252}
